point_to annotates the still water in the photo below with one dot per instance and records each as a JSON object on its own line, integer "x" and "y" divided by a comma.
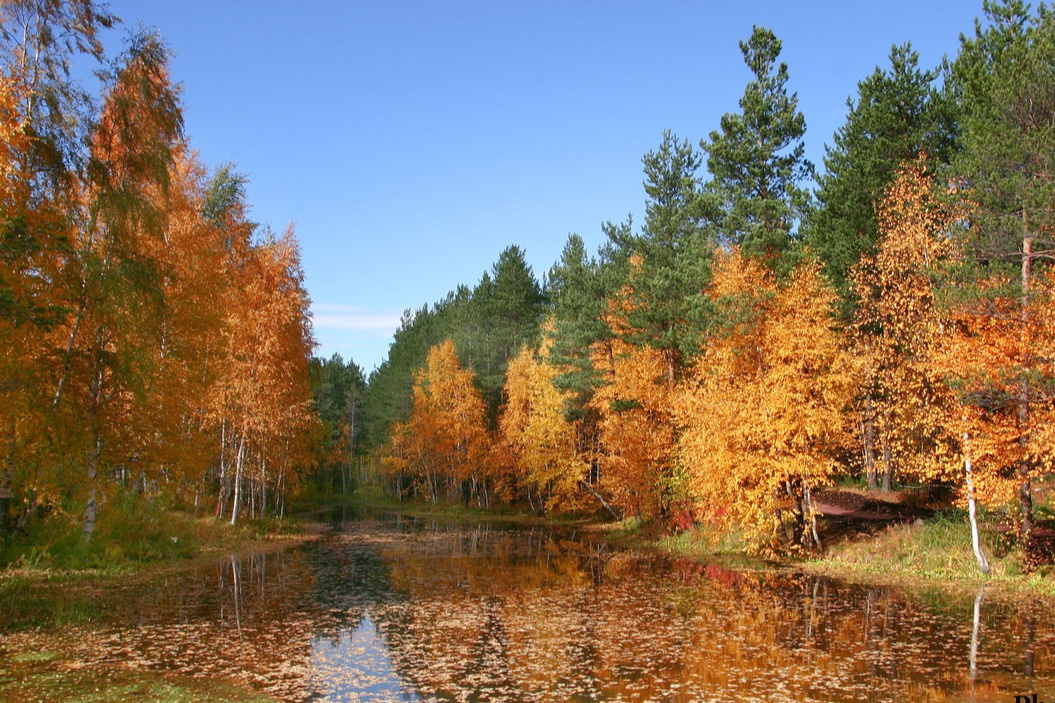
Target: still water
{"x": 386, "y": 608}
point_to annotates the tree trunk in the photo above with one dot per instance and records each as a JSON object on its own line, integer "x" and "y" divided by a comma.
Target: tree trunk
{"x": 263, "y": 489}
{"x": 238, "y": 480}
{"x": 810, "y": 509}
{"x": 869, "y": 445}
{"x": 1025, "y": 488}
{"x": 280, "y": 498}
{"x": 93, "y": 470}
{"x": 94, "y": 452}
{"x": 888, "y": 457}
{"x": 600, "y": 499}
{"x": 972, "y": 507}
{"x": 69, "y": 352}
{"x": 222, "y": 481}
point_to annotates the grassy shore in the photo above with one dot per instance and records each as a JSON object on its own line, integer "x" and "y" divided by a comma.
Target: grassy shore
{"x": 932, "y": 552}
{"x": 132, "y": 534}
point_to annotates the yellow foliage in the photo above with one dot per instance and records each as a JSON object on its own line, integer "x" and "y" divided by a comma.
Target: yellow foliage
{"x": 898, "y": 324}
{"x": 636, "y": 427}
{"x": 763, "y": 412}
{"x": 445, "y": 438}
{"x": 538, "y": 438}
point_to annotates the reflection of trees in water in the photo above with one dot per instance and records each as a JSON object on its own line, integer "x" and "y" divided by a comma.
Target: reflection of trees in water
{"x": 237, "y": 619}
{"x": 482, "y": 613}
{"x": 544, "y": 616}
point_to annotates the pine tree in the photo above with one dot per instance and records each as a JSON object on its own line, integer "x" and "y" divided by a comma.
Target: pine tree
{"x": 1006, "y": 86}
{"x": 757, "y": 160}
{"x": 898, "y": 113}
{"x": 507, "y": 308}
{"x": 672, "y": 255}
{"x": 578, "y": 298}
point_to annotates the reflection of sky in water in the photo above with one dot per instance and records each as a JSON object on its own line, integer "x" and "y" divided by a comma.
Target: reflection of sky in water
{"x": 393, "y": 612}
{"x": 355, "y": 666}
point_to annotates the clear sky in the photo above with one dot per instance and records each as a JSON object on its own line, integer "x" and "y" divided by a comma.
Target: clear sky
{"x": 411, "y": 142}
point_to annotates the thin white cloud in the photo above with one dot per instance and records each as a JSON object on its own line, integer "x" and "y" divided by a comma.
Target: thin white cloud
{"x": 356, "y": 322}
{"x": 328, "y": 316}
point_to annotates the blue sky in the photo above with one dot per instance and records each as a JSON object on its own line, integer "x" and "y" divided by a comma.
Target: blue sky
{"x": 411, "y": 142}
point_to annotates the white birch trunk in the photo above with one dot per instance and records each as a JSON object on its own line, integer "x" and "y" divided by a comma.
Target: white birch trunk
{"x": 972, "y": 507}
{"x": 238, "y": 480}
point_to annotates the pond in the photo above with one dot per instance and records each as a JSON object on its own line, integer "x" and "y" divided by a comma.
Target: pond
{"x": 388, "y": 608}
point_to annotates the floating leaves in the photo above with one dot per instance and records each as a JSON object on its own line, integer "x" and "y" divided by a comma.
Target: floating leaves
{"x": 387, "y": 611}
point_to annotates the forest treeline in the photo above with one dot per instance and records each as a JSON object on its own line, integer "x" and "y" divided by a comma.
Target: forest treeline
{"x": 153, "y": 340}
{"x": 756, "y": 339}
{"x": 766, "y": 331}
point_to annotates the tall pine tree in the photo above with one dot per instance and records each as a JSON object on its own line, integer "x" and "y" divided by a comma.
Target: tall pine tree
{"x": 757, "y": 159}
{"x": 898, "y": 113}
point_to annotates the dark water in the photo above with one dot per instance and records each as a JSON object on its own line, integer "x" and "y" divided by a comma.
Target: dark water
{"x": 392, "y": 609}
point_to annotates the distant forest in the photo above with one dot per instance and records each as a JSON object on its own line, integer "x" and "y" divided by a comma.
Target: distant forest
{"x": 757, "y": 338}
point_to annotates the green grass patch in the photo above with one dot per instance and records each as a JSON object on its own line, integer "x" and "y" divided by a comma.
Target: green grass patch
{"x": 131, "y": 530}
{"x": 936, "y": 550}
{"x": 702, "y": 542}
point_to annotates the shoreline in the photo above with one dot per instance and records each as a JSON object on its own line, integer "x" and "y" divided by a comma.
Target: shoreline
{"x": 309, "y": 524}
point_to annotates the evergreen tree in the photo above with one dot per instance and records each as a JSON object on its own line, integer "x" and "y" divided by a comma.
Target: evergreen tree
{"x": 509, "y": 303}
{"x": 670, "y": 257}
{"x": 578, "y": 287}
{"x": 898, "y": 113}
{"x": 757, "y": 159}
{"x": 388, "y": 396}
{"x": 338, "y": 389}
{"x": 1003, "y": 77}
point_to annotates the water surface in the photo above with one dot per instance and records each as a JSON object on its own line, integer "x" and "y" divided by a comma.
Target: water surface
{"x": 394, "y": 609}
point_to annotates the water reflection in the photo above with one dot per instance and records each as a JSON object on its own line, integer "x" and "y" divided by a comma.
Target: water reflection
{"x": 355, "y": 665}
{"x": 397, "y": 609}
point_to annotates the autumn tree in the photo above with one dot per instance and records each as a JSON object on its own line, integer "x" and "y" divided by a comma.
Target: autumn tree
{"x": 264, "y": 395}
{"x": 1007, "y": 96}
{"x": 445, "y": 439}
{"x": 897, "y": 324}
{"x": 146, "y": 341}
{"x": 540, "y": 440}
{"x": 636, "y": 427}
{"x": 176, "y": 443}
{"x": 763, "y": 414}
{"x": 112, "y": 278}
{"x": 45, "y": 116}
